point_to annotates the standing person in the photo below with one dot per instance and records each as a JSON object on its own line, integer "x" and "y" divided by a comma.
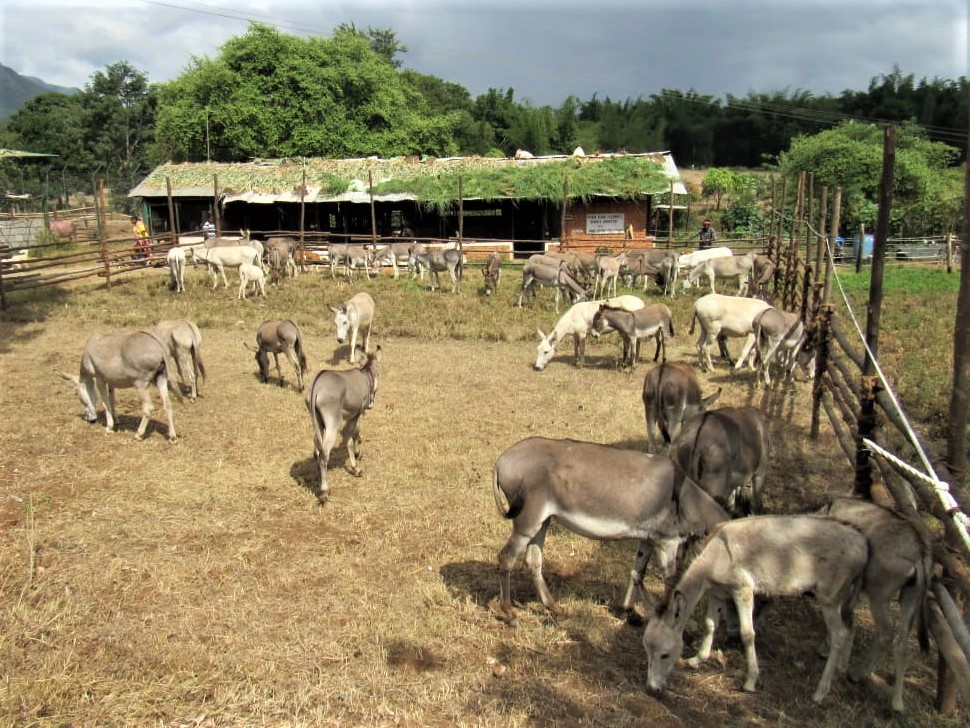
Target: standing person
{"x": 142, "y": 241}
{"x": 707, "y": 235}
{"x": 208, "y": 228}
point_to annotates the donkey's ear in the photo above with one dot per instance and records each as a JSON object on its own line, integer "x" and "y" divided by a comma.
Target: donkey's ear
{"x": 335, "y": 310}
{"x": 711, "y": 399}
{"x": 541, "y": 335}
{"x": 678, "y": 604}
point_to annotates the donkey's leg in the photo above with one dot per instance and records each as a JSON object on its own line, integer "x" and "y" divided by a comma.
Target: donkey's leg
{"x": 715, "y": 611}
{"x": 352, "y": 443}
{"x": 107, "y": 395}
{"x": 146, "y": 408}
{"x": 279, "y": 371}
{"x": 294, "y": 360}
{"x": 745, "y": 350}
{"x": 839, "y": 636}
{"x": 635, "y": 587}
{"x": 533, "y": 559}
{"x": 744, "y": 601}
{"x": 506, "y": 560}
{"x": 162, "y": 384}
{"x": 331, "y": 428}
{"x": 353, "y": 343}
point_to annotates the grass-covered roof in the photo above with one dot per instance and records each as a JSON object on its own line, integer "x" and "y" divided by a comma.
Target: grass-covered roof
{"x": 430, "y": 181}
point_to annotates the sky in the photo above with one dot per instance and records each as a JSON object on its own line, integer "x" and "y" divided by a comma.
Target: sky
{"x": 546, "y": 50}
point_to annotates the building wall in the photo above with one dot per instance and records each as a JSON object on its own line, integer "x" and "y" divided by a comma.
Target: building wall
{"x": 607, "y": 223}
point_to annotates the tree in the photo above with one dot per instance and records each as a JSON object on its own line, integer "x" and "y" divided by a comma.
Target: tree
{"x": 926, "y": 187}
{"x": 718, "y": 182}
{"x": 268, "y": 94}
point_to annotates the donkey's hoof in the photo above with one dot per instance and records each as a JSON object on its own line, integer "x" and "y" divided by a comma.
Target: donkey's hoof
{"x": 357, "y": 472}
{"x": 172, "y": 438}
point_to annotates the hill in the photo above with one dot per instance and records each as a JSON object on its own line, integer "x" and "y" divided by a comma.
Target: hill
{"x": 16, "y": 90}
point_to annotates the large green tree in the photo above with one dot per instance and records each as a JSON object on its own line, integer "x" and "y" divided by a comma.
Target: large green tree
{"x": 926, "y": 186}
{"x": 268, "y": 94}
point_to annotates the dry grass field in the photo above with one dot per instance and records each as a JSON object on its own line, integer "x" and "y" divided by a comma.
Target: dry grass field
{"x": 200, "y": 583}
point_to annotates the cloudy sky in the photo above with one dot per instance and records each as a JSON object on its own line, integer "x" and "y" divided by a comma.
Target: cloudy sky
{"x": 544, "y": 49}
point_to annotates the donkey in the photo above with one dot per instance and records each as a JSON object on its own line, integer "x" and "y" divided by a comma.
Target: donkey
{"x": 436, "y": 261}
{"x": 275, "y": 337}
{"x": 336, "y": 400}
{"x": 183, "y": 340}
{"x": 249, "y": 273}
{"x": 778, "y": 334}
{"x": 900, "y": 562}
{"x": 492, "y": 272}
{"x": 351, "y": 256}
{"x": 578, "y": 322}
{"x": 122, "y": 361}
{"x": 734, "y": 266}
{"x": 220, "y": 257}
{"x": 652, "y": 321}
{"x": 577, "y": 484}
{"x": 608, "y": 270}
{"x": 557, "y": 276}
{"x": 285, "y": 260}
{"x": 176, "y": 268}
{"x": 672, "y": 396}
{"x": 392, "y": 253}
{"x": 720, "y": 315}
{"x": 354, "y": 316}
{"x": 724, "y": 450}
{"x": 777, "y": 555}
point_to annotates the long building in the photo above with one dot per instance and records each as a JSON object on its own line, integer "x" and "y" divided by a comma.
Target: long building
{"x": 583, "y": 201}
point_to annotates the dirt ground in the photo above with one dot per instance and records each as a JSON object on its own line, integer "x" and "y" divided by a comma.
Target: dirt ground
{"x": 200, "y": 583}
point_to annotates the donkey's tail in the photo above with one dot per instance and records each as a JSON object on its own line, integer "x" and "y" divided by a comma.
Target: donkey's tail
{"x": 298, "y": 348}
{"x": 516, "y": 500}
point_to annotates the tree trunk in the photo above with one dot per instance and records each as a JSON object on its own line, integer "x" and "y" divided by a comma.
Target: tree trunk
{"x": 956, "y": 456}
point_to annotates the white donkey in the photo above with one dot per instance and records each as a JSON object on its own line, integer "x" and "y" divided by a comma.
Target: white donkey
{"x": 249, "y": 273}
{"x": 219, "y": 258}
{"x": 354, "y": 316}
{"x": 578, "y": 322}
{"x": 122, "y": 361}
{"x": 176, "y": 267}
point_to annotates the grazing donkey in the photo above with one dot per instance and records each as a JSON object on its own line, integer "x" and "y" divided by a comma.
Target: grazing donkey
{"x": 777, "y": 555}
{"x": 724, "y": 450}
{"x": 183, "y": 340}
{"x": 579, "y": 484}
{"x": 900, "y": 562}
{"x": 557, "y": 275}
{"x": 672, "y": 396}
{"x": 351, "y": 256}
{"x": 249, "y": 273}
{"x": 336, "y": 400}
{"x": 492, "y": 272}
{"x": 176, "y": 268}
{"x": 578, "y": 322}
{"x": 651, "y": 321}
{"x": 354, "y": 316}
{"x": 122, "y": 361}
{"x": 275, "y": 337}
{"x": 437, "y": 261}
{"x": 392, "y": 253}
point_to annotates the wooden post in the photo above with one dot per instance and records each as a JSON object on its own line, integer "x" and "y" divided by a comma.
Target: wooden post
{"x": 562, "y": 221}
{"x": 3, "y": 293}
{"x": 833, "y": 234}
{"x": 171, "y": 211}
{"x": 867, "y": 415}
{"x": 303, "y": 191}
{"x": 670, "y": 214}
{"x": 949, "y": 252}
{"x": 102, "y": 234}
{"x": 820, "y": 249}
{"x": 215, "y": 205}
{"x": 461, "y": 210}
{"x": 373, "y": 211}
{"x": 823, "y": 342}
{"x": 862, "y": 247}
{"x": 777, "y": 252}
{"x": 809, "y": 216}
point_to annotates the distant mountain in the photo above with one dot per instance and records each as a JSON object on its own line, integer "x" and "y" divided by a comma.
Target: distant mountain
{"x": 16, "y": 90}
